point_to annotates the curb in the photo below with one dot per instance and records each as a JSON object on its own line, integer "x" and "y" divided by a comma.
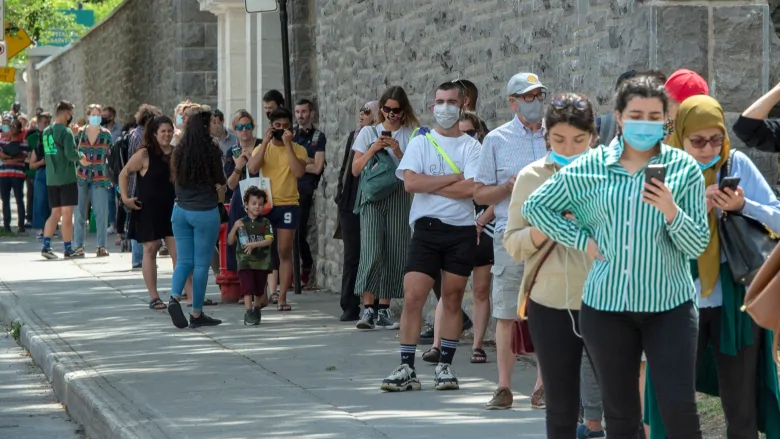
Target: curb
{"x": 103, "y": 411}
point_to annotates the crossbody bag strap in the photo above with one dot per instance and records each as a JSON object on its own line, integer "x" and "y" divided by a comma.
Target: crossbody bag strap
{"x": 532, "y": 279}
{"x": 442, "y": 153}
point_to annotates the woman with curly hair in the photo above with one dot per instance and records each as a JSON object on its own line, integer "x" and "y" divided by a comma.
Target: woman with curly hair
{"x": 197, "y": 171}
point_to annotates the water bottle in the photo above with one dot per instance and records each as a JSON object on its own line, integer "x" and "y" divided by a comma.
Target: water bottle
{"x": 243, "y": 238}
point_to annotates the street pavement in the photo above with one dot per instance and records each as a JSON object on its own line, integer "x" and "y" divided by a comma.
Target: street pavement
{"x": 124, "y": 371}
{"x": 28, "y": 407}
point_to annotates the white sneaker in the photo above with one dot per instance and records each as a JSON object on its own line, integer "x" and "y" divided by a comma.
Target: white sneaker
{"x": 444, "y": 378}
{"x": 111, "y": 230}
{"x": 384, "y": 320}
{"x": 401, "y": 379}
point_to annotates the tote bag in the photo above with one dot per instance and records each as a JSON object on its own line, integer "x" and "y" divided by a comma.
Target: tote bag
{"x": 262, "y": 183}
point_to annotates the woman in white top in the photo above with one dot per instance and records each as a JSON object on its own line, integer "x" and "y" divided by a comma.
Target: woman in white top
{"x": 384, "y": 224}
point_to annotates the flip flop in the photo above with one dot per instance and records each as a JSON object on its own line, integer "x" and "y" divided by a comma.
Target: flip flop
{"x": 284, "y": 307}
{"x": 207, "y": 302}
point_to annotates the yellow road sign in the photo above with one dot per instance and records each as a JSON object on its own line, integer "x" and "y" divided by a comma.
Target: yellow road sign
{"x": 7, "y": 74}
{"x": 16, "y": 43}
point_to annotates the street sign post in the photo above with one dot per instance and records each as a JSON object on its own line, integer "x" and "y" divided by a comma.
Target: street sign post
{"x": 259, "y": 6}
{"x": 3, "y": 54}
{"x": 2, "y": 18}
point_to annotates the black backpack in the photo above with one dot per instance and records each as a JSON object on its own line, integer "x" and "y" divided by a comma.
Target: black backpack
{"x": 117, "y": 156}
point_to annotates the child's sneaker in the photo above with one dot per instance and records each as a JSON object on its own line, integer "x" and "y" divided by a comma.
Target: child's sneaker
{"x": 77, "y": 252}
{"x": 48, "y": 253}
{"x": 252, "y": 317}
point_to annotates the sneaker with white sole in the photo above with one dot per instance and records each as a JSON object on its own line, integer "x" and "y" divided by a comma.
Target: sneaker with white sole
{"x": 401, "y": 379}
{"x": 444, "y": 378}
{"x": 366, "y": 320}
{"x": 384, "y": 320}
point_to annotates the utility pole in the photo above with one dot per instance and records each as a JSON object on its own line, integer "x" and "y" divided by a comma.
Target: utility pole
{"x": 260, "y": 6}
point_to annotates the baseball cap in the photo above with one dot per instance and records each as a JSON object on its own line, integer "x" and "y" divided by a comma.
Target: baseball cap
{"x": 523, "y": 83}
{"x": 685, "y": 83}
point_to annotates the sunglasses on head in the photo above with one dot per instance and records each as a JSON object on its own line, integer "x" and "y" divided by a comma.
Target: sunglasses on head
{"x": 387, "y": 109}
{"x": 701, "y": 142}
{"x": 246, "y": 126}
{"x": 577, "y": 102}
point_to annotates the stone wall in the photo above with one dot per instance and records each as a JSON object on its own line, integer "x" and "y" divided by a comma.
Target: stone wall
{"x": 579, "y": 45}
{"x": 148, "y": 51}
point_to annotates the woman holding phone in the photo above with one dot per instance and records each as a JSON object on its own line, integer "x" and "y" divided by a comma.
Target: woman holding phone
{"x": 732, "y": 350}
{"x": 640, "y": 235}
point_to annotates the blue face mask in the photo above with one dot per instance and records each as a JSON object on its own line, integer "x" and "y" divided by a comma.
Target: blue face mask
{"x": 712, "y": 163}
{"x": 562, "y": 160}
{"x": 643, "y": 135}
{"x": 5, "y": 128}
{"x": 179, "y": 120}
{"x": 95, "y": 120}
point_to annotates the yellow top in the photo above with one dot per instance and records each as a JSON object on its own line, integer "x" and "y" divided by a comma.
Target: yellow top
{"x": 276, "y": 168}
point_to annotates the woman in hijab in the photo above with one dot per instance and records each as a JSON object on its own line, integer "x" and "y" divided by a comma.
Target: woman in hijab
{"x": 734, "y": 356}
{"x": 349, "y": 222}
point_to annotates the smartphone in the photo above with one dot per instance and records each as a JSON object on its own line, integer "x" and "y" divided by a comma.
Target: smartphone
{"x": 236, "y": 153}
{"x": 655, "y": 171}
{"x": 729, "y": 182}
{"x": 387, "y": 134}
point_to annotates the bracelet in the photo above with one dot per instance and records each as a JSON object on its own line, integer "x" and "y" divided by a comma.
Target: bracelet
{"x": 237, "y": 171}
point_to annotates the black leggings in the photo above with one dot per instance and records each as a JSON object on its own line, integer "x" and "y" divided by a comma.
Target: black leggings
{"x": 615, "y": 341}
{"x": 559, "y": 353}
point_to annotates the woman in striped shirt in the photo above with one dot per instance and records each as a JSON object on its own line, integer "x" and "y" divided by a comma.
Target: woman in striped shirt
{"x": 94, "y": 142}
{"x": 641, "y": 235}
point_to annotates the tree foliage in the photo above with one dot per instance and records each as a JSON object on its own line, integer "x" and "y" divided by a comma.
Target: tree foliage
{"x": 39, "y": 18}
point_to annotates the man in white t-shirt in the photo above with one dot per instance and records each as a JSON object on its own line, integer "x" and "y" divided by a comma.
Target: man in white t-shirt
{"x": 439, "y": 168}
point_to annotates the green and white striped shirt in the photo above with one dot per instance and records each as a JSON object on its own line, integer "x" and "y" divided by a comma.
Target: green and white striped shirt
{"x": 646, "y": 261}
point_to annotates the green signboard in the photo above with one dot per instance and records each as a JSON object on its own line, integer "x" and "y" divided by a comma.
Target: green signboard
{"x": 84, "y": 17}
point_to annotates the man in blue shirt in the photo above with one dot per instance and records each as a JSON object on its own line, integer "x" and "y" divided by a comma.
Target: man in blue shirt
{"x": 308, "y": 136}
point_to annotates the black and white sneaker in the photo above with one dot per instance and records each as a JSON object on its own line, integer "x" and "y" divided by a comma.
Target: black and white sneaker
{"x": 384, "y": 320}
{"x": 401, "y": 379}
{"x": 367, "y": 320}
{"x": 77, "y": 253}
{"x": 48, "y": 253}
{"x": 444, "y": 378}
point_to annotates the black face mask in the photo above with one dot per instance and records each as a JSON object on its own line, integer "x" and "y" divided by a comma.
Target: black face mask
{"x": 104, "y": 121}
{"x": 267, "y": 114}
{"x": 70, "y": 119}
{"x": 277, "y": 134}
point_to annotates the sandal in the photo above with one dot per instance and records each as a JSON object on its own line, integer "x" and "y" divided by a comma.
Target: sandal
{"x": 432, "y": 355}
{"x": 207, "y": 302}
{"x": 283, "y": 307}
{"x": 478, "y": 356}
{"x": 102, "y": 252}
{"x": 157, "y": 304}
{"x": 275, "y": 298}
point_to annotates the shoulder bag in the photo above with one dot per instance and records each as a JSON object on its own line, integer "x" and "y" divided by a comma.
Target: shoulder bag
{"x": 377, "y": 180}
{"x": 745, "y": 241}
{"x": 521, "y": 335}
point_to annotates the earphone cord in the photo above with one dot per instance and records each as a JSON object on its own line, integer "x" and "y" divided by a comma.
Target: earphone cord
{"x": 566, "y": 277}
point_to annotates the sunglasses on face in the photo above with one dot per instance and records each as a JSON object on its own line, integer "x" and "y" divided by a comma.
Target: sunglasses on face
{"x": 530, "y": 97}
{"x": 578, "y": 103}
{"x": 387, "y": 109}
{"x": 701, "y": 142}
{"x": 365, "y": 111}
{"x": 472, "y": 133}
{"x": 246, "y": 126}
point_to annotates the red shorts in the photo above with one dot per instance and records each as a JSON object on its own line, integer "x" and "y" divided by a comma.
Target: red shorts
{"x": 253, "y": 282}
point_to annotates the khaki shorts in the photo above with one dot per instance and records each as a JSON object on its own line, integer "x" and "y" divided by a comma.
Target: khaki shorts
{"x": 507, "y": 276}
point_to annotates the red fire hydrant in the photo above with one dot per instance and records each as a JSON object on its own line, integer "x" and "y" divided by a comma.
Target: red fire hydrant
{"x": 227, "y": 280}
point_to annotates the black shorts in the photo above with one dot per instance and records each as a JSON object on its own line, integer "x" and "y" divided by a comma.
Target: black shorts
{"x": 437, "y": 246}
{"x": 63, "y": 196}
{"x": 484, "y": 251}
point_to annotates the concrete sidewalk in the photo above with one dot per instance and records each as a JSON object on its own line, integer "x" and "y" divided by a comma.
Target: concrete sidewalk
{"x": 125, "y": 372}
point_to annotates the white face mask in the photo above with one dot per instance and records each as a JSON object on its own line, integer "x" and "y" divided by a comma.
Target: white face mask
{"x": 446, "y": 115}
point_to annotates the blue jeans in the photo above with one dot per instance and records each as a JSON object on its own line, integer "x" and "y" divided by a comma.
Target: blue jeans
{"x": 111, "y": 205}
{"x": 99, "y": 198}
{"x": 137, "y": 250}
{"x": 196, "y": 234}
{"x": 41, "y": 209}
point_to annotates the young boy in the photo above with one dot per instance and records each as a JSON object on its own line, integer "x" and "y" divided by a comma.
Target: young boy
{"x": 253, "y": 253}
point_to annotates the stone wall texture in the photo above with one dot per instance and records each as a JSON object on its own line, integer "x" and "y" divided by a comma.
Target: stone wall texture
{"x": 579, "y": 45}
{"x": 148, "y": 51}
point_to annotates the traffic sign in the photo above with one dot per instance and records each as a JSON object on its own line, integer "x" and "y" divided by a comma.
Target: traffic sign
{"x": 7, "y": 74}
{"x": 16, "y": 42}
{"x": 253, "y": 6}
{"x": 3, "y": 54}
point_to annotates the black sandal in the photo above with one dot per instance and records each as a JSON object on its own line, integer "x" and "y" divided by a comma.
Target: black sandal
{"x": 157, "y": 304}
{"x": 275, "y": 298}
{"x": 432, "y": 355}
{"x": 478, "y": 356}
{"x": 207, "y": 302}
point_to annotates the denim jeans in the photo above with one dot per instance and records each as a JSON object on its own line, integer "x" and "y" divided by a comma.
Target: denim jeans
{"x": 137, "y": 250}
{"x": 99, "y": 198}
{"x": 15, "y": 184}
{"x": 196, "y": 234}
{"x": 41, "y": 209}
{"x": 111, "y": 205}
